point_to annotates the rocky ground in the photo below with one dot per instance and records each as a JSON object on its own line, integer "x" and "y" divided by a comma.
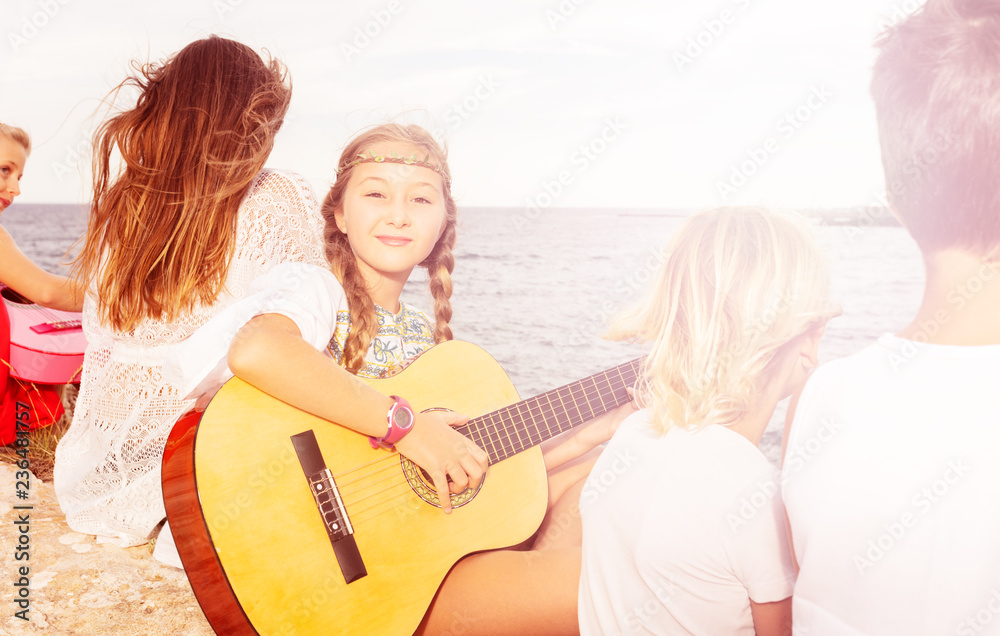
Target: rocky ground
{"x": 79, "y": 587}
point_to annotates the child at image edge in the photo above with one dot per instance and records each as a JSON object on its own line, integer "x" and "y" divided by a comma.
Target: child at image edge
{"x": 891, "y": 471}
{"x": 683, "y": 531}
{"x": 16, "y": 270}
{"x": 19, "y": 273}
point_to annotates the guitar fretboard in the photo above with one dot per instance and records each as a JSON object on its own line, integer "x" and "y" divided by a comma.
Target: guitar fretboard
{"x": 520, "y": 426}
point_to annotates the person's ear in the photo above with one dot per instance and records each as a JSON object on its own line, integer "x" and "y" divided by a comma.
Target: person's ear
{"x": 338, "y": 217}
{"x": 809, "y": 346}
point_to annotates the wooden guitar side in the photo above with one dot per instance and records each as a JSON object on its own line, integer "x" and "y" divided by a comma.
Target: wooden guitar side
{"x": 253, "y": 527}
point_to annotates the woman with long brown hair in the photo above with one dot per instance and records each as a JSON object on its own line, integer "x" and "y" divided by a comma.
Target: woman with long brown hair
{"x": 182, "y": 220}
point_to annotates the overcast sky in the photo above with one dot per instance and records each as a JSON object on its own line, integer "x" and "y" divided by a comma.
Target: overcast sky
{"x": 572, "y": 103}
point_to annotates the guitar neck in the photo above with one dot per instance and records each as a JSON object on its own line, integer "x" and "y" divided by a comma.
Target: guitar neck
{"x": 520, "y": 426}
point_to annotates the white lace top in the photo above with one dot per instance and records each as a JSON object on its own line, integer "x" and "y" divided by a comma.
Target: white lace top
{"x": 107, "y": 470}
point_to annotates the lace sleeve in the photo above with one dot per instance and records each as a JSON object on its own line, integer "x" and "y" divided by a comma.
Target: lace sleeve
{"x": 283, "y": 222}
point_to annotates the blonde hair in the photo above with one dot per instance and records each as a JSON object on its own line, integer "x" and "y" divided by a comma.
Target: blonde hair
{"x": 17, "y": 135}
{"x": 735, "y": 285}
{"x": 162, "y": 227}
{"x": 439, "y": 264}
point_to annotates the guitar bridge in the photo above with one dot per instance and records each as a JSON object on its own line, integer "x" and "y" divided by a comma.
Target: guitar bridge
{"x": 329, "y": 505}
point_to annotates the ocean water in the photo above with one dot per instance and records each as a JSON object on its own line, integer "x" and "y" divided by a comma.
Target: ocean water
{"x": 536, "y": 291}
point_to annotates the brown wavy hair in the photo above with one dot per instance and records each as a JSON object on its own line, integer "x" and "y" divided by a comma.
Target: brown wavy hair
{"x": 163, "y": 220}
{"x": 439, "y": 264}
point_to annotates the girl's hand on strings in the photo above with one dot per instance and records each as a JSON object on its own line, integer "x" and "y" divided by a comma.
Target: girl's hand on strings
{"x": 443, "y": 452}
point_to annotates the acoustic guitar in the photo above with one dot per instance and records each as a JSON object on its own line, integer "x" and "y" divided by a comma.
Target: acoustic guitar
{"x": 46, "y": 345}
{"x": 289, "y": 524}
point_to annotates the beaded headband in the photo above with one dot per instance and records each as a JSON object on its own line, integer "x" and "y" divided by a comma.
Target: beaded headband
{"x": 394, "y": 158}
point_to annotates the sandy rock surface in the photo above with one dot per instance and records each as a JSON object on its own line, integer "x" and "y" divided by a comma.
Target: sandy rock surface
{"x": 80, "y": 587}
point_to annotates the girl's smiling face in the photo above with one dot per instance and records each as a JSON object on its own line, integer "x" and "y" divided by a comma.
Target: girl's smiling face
{"x": 13, "y": 156}
{"x": 393, "y": 214}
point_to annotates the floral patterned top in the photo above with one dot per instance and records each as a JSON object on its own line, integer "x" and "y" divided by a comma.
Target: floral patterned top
{"x": 400, "y": 336}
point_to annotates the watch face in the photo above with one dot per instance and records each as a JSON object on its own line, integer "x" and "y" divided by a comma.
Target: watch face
{"x": 403, "y": 417}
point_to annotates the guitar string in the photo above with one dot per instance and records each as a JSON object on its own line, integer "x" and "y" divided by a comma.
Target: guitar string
{"x": 596, "y": 393}
{"x": 49, "y": 318}
{"x": 547, "y": 412}
{"x": 380, "y": 506}
{"x": 371, "y": 479}
{"x": 48, "y": 315}
{"x": 562, "y": 417}
{"x": 602, "y": 386}
{"x": 472, "y": 432}
{"x": 393, "y": 500}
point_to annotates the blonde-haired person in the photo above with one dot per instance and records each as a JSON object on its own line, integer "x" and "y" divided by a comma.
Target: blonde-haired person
{"x": 178, "y": 229}
{"x": 683, "y": 531}
{"x": 390, "y": 210}
{"x": 17, "y": 271}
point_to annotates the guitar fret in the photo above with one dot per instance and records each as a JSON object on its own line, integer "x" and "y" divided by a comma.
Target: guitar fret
{"x": 601, "y": 393}
{"x": 572, "y": 411}
{"x": 509, "y": 442}
{"x": 496, "y": 444}
{"x": 580, "y": 399}
{"x": 514, "y": 428}
{"x": 522, "y": 425}
{"x": 537, "y": 413}
{"x": 562, "y": 416}
{"x": 549, "y": 417}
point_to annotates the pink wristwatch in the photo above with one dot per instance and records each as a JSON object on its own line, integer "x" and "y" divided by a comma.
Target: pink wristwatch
{"x": 400, "y": 419}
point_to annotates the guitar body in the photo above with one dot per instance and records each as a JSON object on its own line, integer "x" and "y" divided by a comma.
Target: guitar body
{"x": 52, "y": 357}
{"x": 251, "y": 538}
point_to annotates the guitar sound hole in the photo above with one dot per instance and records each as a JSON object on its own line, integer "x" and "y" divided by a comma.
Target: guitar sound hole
{"x": 423, "y": 486}
{"x": 14, "y": 297}
{"x": 427, "y": 477}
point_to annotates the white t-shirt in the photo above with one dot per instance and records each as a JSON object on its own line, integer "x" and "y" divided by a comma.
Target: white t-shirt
{"x": 680, "y": 532}
{"x": 892, "y": 483}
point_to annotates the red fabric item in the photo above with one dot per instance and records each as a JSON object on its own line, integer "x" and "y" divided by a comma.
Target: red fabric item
{"x": 35, "y": 405}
